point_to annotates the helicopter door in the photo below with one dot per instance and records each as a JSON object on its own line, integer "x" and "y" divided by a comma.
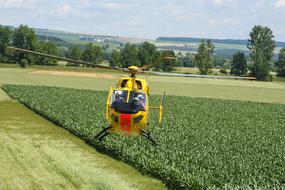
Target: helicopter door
{"x": 108, "y": 102}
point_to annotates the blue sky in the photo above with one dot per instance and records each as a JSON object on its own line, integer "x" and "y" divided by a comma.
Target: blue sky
{"x": 149, "y": 18}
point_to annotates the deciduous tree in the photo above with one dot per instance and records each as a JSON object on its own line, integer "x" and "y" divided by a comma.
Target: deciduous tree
{"x": 188, "y": 60}
{"x": 280, "y": 64}
{"x": 92, "y": 54}
{"x": 47, "y": 48}
{"x": 204, "y": 56}
{"x": 167, "y": 64}
{"x": 130, "y": 55}
{"x": 116, "y": 59}
{"x": 239, "y": 64}
{"x": 147, "y": 53}
{"x": 261, "y": 44}
{"x": 74, "y": 52}
{"x": 25, "y": 38}
{"x": 5, "y": 38}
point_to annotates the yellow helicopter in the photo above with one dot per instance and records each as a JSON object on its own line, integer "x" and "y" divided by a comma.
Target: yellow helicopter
{"x": 127, "y": 107}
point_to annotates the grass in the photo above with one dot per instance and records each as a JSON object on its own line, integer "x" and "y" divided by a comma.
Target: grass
{"x": 35, "y": 154}
{"x": 3, "y": 96}
{"x": 8, "y": 65}
{"x": 203, "y": 143}
{"x": 279, "y": 79}
{"x": 272, "y": 92}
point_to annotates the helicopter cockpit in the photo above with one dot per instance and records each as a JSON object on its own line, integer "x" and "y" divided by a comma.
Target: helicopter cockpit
{"x": 128, "y": 102}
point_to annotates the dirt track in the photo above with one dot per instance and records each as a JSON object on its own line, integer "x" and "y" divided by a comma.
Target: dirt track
{"x": 76, "y": 74}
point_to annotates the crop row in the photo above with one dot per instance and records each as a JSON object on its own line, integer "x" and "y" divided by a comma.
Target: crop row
{"x": 203, "y": 143}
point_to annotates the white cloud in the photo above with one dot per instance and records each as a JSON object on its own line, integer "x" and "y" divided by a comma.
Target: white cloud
{"x": 112, "y": 5}
{"x": 83, "y": 3}
{"x": 232, "y": 22}
{"x": 23, "y": 4}
{"x": 177, "y": 12}
{"x": 218, "y": 2}
{"x": 63, "y": 9}
{"x": 134, "y": 23}
{"x": 8, "y": 21}
{"x": 228, "y": 3}
{"x": 212, "y": 22}
{"x": 223, "y": 22}
{"x": 280, "y": 3}
{"x": 10, "y": 2}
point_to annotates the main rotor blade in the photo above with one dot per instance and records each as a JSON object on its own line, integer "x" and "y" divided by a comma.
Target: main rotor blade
{"x": 157, "y": 62}
{"x": 168, "y": 58}
{"x": 60, "y": 58}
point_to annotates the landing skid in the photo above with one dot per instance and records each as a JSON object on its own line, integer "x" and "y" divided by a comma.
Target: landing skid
{"x": 100, "y": 136}
{"x": 148, "y": 137}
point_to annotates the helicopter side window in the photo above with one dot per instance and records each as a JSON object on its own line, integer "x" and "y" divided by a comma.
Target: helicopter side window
{"x": 123, "y": 84}
{"x": 139, "y": 84}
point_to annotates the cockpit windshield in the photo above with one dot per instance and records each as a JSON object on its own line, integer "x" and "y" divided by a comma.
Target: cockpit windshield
{"x": 119, "y": 96}
{"x": 128, "y": 102}
{"x": 138, "y": 98}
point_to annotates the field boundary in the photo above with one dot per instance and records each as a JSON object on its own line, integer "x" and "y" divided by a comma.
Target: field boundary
{"x": 74, "y": 74}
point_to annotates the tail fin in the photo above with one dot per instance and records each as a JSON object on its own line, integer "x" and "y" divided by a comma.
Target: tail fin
{"x": 161, "y": 107}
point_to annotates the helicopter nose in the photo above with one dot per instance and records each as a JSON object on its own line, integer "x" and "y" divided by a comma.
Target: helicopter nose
{"x": 125, "y": 122}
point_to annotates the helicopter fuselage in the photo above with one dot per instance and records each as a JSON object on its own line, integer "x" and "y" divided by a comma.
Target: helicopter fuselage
{"x": 127, "y": 111}
{"x": 127, "y": 107}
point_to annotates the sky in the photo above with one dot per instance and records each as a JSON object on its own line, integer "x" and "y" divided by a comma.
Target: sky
{"x": 149, "y": 19}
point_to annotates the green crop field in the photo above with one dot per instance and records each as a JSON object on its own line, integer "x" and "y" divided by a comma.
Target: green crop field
{"x": 203, "y": 143}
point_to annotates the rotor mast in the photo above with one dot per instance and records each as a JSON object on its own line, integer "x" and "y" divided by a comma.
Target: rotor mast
{"x": 133, "y": 70}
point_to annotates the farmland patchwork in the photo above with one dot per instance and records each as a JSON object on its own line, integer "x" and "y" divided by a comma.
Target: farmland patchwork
{"x": 203, "y": 143}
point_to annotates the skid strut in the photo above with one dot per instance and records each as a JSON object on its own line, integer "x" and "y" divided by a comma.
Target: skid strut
{"x": 103, "y": 133}
{"x": 147, "y": 135}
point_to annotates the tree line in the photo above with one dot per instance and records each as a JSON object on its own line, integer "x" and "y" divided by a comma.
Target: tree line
{"x": 25, "y": 38}
{"x": 142, "y": 55}
{"x": 261, "y": 45}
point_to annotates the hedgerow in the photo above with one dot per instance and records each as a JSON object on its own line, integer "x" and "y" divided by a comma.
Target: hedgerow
{"x": 203, "y": 143}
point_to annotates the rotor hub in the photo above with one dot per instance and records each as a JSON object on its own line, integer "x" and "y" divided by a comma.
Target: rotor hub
{"x": 133, "y": 70}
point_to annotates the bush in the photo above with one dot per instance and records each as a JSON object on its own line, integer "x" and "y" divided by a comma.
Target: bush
{"x": 281, "y": 72}
{"x": 71, "y": 64}
{"x": 223, "y": 71}
{"x": 210, "y": 72}
{"x": 23, "y": 63}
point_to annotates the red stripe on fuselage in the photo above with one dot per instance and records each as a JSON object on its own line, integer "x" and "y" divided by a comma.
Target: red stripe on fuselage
{"x": 125, "y": 122}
